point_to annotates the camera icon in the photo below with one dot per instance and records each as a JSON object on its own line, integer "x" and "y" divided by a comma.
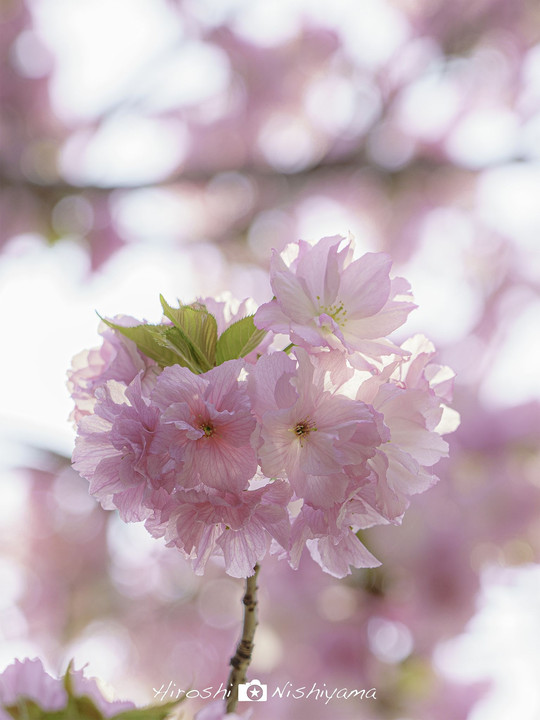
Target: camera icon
{"x": 253, "y": 691}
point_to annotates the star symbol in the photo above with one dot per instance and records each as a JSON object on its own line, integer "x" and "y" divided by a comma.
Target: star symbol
{"x": 254, "y": 691}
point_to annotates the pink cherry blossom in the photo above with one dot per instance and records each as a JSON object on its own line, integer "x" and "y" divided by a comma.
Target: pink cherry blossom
{"x": 419, "y": 372}
{"x": 113, "y": 450}
{"x": 409, "y": 393}
{"x": 207, "y": 425}
{"x": 330, "y": 536}
{"x": 89, "y": 687}
{"x": 237, "y": 525}
{"x": 117, "y": 359}
{"x": 27, "y": 679}
{"x": 324, "y": 298}
{"x": 308, "y": 431}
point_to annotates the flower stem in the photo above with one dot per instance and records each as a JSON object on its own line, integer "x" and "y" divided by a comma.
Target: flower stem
{"x": 242, "y": 657}
{"x": 288, "y": 348}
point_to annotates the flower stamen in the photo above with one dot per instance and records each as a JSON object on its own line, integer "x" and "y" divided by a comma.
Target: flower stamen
{"x": 336, "y": 311}
{"x": 302, "y": 429}
{"x": 207, "y": 429}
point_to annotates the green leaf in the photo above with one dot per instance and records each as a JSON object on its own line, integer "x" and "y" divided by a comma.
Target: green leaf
{"x": 198, "y": 328}
{"x": 174, "y": 340}
{"x": 162, "y": 343}
{"x": 79, "y": 707}
{"x": 68, "y": 685}
{"x": 238, "y": 340}
{"x": 151, "y": 712}
{"x": 85, "y": 709}
{"x": 26, "y": 709}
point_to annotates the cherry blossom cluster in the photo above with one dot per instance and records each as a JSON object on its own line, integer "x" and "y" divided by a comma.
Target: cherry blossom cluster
{"x": 233, "y": 435}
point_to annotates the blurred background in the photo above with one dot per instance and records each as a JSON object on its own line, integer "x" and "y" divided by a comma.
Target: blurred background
{"x": 166, "y": 146}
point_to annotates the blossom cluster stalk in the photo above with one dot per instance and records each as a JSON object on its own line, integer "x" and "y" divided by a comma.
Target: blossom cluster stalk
{"x": 242, "y": 657}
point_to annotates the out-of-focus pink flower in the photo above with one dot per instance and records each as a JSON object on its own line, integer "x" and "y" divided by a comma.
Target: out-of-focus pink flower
{"x": 309, "y": 432}
{"x": 207, "y": 425}
{"x": 117, "y": 359}
{"x": 324, "y": 298}
{"x": 237, "y": 525}
{"x": 114, "y": 450}
{"x": 28, "y": 680}
{"x": 89, "y": 687}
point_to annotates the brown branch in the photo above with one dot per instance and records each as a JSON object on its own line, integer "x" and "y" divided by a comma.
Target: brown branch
{"x": 242, "y": 657}
{"x": 196, "y": 176}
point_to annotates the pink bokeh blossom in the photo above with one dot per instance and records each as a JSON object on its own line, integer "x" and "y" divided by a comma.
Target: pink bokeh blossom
{"x": 27, "y": 679}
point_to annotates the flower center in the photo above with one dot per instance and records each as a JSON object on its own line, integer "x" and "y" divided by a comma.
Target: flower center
{"x": 302, "y": 429}
{"x": 207, "y": 428}
{"x": 336, "y": 311}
